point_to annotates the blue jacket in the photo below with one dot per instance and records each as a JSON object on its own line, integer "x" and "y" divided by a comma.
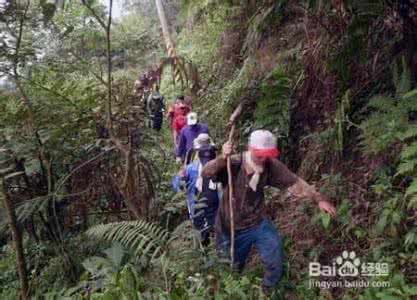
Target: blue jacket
{"x": 187, "y": 137}
{"x": 190, "y": 179}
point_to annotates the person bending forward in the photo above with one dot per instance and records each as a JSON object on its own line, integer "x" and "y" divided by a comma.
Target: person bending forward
{"x": 252, "y": 171}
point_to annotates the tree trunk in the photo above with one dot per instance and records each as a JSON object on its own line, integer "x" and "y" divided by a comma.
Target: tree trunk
{"x": 17, "y": 239}
{"x": 410, "y": 41}
{"x": 165, "y": 30}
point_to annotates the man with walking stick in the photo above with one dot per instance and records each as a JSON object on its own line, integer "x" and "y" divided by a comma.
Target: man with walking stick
{"x": 251, "y": 172}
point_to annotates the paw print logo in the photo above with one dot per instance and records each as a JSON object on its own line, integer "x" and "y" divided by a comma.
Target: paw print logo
{"x": 348, "y": 264}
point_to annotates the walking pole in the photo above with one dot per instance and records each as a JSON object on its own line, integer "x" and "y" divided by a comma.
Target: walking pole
{"x": 231, "y": 123}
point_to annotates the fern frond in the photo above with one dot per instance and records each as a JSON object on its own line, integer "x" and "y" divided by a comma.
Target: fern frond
{"x": 28, "y": 208}
{"x": 382, "y": 103}
{"x": 413, "y": 202}
{"x": 410, "y": 95}
{"x": 411, "y": 132}
{"x": 406, "y": 167}
{"x": 409, "y": 151}
{"x": 141, "y": 237}
{"x": 410, "y": 239}
{"x": 412, "y": 189}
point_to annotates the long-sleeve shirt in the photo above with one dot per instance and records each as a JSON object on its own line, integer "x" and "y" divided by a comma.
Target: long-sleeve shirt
{"x": 175, "y": 110}
{"x": 209, "y": 194}
{"x": 179, "y": 123}
{"x": 248, "y": 205}
{"x": 187, "y": 137}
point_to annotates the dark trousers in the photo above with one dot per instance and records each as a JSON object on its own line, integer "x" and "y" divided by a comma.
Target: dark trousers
{"x": 204, "y": 217}
{"x": 157, "y": 120}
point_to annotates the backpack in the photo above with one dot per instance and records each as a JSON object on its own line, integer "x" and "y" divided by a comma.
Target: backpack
{"x": 155, "y": 103}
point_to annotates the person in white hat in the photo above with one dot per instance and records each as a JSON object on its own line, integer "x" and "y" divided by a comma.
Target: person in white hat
{"x": 188, "y": 134}
{"x": 200, "y": 190}
{"x": 251, "y": 172}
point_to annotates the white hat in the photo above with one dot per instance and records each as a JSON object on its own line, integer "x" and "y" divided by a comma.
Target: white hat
{"x": 203, "y": 139}
{"x": 192, "y": 118}
{"x": 263, "y": 143}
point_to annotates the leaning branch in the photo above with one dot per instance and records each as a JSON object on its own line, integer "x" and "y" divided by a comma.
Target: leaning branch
{"x": 93, "y": 12}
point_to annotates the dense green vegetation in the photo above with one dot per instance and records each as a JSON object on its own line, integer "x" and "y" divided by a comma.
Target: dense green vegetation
{"x": 89, "y": 182}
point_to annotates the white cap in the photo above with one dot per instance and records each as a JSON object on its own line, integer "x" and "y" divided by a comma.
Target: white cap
{"x": 262, "y": 139}
{"x": 192, "y": 118}
{"x": 201, "y": 140}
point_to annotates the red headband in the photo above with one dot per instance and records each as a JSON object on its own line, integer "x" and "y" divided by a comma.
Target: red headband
{"x": 268, "y": 152}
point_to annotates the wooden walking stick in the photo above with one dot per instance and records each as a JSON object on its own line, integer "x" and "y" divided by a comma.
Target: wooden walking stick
{"x": 231, "y": 123}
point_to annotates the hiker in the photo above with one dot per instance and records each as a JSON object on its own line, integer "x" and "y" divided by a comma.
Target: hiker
{"x": 253, "y": 170}
{"x": 200, "y": 191}
{"x": 177, "y": 117}
{"x": 142, "y": 83}
{"x": 180, "y": 121}
{"x": 187, "y": 136}
{"x": 155, "y": 107}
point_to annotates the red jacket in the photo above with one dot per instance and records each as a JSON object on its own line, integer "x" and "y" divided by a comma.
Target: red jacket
{"x": 178, "y": 111}
{"x": 179, "y": 122}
